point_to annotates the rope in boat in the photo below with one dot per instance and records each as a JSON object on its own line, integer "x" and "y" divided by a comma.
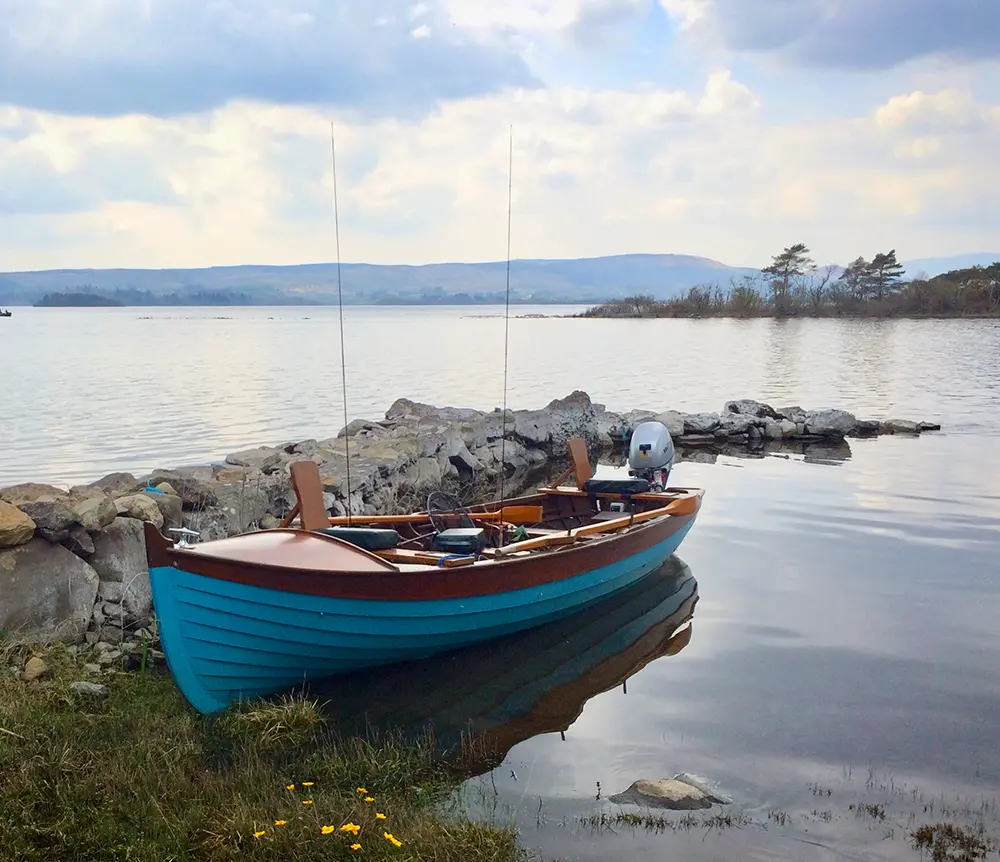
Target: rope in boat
{"x": 506, "y": 327}
{"x": 340, "y": 304}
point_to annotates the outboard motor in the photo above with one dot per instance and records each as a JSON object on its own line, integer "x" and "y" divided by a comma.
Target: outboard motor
{"x": 651, "y": 454}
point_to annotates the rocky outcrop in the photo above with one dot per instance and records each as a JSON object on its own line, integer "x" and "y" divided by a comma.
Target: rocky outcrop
{"x": 77, "y": 557}
{"x": 680, "y": 793}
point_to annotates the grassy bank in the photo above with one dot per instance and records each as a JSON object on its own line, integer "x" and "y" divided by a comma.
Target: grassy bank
{"x": 136, "y": 774}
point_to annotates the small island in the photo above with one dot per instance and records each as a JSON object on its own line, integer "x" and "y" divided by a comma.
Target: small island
{"x": 77, "y": 300}
{"x": 793, "y": 286}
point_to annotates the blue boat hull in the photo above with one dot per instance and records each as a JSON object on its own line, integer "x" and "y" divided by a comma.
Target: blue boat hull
{"x": 226, "y": 641}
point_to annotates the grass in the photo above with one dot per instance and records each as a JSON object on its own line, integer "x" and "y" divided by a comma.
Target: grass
{"x": 138, "y": 775}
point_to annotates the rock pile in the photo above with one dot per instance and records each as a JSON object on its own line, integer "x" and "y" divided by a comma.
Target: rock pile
{"x": 73, "y": 563}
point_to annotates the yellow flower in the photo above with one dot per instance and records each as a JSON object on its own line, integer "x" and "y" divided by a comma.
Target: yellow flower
{"x": 307, "y": 783}
{"x": 362, "y": 790}
{"x": 355, "y": 846}
{"x": 307, "y": 802}
{"x": 258, "y": 834}
{"x": 280, "y": 822}
{"x": 369, "y": 799}
{"x": 289, "y": 787}
{"x": 379, "y": 816}
{"x": 391, "y": 839}
{"x": 328, "y": 829}
{"x": 351, "y": 827}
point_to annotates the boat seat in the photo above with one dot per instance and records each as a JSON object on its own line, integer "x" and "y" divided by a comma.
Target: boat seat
{"x": 613, "y": 485}
{"x": 368, "y": 538}
{"x": 461, "y": 540}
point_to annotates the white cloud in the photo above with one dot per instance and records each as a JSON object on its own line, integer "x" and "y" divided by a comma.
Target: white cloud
{"x": 421, "y": 32}
{"x": 595, "y": 172}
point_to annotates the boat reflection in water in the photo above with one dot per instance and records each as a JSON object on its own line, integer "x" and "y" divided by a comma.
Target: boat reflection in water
{"x": 481, "y": 701}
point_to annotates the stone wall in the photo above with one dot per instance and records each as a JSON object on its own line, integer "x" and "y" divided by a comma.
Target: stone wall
{"x": 73, "y": 564}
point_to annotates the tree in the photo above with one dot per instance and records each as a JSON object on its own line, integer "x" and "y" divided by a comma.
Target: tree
{"x": 793, "y": 261}
{"x": 818, "y": 287}
{"x": 855, "y": 279}
{"x": 885, "y": 274}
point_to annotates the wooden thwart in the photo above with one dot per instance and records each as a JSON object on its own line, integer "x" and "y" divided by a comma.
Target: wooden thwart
{"x": 430, "y": 558}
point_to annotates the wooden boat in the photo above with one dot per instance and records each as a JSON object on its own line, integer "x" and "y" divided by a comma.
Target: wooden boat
{"x": 261, "y": 612}
{"x": 482, "y": 700}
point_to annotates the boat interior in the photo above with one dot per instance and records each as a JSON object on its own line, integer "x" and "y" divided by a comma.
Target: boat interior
{"x": 448, "y": 534}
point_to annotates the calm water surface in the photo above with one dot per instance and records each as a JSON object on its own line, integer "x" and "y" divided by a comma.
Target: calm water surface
{"x": 844, "y": 647}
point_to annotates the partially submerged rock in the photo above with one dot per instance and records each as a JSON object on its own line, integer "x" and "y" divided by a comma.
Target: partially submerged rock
{"x": 680, "y": 793}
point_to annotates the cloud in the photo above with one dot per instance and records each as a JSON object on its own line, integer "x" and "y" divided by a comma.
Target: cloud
{"x": 175, "y": 57}
{"x": 595, "y": 24}
{"x": 606, "y": 171}
{"x": 847, "y": 34}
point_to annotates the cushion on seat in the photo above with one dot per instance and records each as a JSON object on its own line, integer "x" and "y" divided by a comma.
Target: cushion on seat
{"x": 369, "y": 538}
{"x": 461, "y": 540}
{"x": 630, "y": 485}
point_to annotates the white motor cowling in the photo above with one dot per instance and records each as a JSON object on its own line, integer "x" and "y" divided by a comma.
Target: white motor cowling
{"x": 651, "y": 454}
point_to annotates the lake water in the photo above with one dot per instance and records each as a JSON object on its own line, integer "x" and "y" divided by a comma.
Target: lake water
{"x": 844, "y": 649}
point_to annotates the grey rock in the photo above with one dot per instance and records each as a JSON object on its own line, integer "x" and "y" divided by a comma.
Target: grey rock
{"x": 830, "y": 423}
{"x": 94, "y": 508}
{"x": 31, "y": 492}
{"x": 91, "y": 667}
{"x": 48, "y": 592}
{"x": 671, "y": 793}
{"x": 140, "y": 507}
{"x": 902, "y": 426}
{"x": 773, "y": 429}
{"x": 111, "y": 634}
{"x": 120, "y": 556}
{"x": 930, "y": 426}
{"x": 788, "y": 428}
{"x": 171, "y": 509}
{"x": 53, "y": 519}
{"x": 194, "y": 492}
{"x": 117, "y": 484}
{"x": 674, "y": 422}
{"x": 732, "y": 424}
{"x": 79, "y": 542}
{"x": 701, "y": 423}
{"x": 109, "y": 657}
{"x": 748, "y": 407}
{"x": 88, "y": 689}
{"x": 112, "y": 591}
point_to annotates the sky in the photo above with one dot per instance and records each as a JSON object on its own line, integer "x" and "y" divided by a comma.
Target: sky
{"x": 187, "y": 133}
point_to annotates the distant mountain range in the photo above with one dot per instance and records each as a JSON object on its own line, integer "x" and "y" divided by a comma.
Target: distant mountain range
{"x": 581, "y": 280}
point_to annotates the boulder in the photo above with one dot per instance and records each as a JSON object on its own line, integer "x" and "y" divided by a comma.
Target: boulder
{"x": 902, "y": 426}
{"x": 793, "y": 414}
{"x": 170, "y": 506}
{"x": 674, "y": 422}
{"x": 676, "y": 794}
{"x": 117, "y": 484}
{"x": 748, "y": 407}
{"x": 732, "y": 424}
{"x": 830, "y": 423}
{"x": 94, "y": 508}
{"x": 120, "y": 556}
{"x": 773, "y": 429}
{"x": 48, "y": 592}
{"x": 53, "y": 519}
{"x": 16, "y": 528}
{"x": 30, "y": 492}
{"x": 79, "y": 542}
{"x": 701, "y": 423}
{"x": 140, "y": 507}
{"x": 191, "y": 485}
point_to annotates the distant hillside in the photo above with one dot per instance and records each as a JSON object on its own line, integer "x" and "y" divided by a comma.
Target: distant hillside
{"x": 934, "y": 266}
{"x": 538, "y": 281}
{"x": 76, "y": 300}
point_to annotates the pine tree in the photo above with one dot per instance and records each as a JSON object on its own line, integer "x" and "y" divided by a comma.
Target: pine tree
{"x": 885, "y": 274}
{"x": 793, "y": 261}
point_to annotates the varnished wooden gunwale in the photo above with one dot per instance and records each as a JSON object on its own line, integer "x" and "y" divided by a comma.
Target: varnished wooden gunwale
{"x": 495, "y": 576}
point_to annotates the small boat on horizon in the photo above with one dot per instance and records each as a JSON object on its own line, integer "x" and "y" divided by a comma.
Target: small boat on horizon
{"x": 265, "y": 611}
{"x": 6, "y": 313}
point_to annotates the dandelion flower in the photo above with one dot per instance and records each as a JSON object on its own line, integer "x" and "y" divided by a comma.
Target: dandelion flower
{"x": 379, "y": 815}
{"x": 369, "y": 799}
{"x": 280, "y": 822}
{"x": 328, "y": 829}
{"x": 258, "y": 834}
{"x": 362, "y": 790}
{"x": 307, "y": 802}
{"x": 392, "y": 839}
{"x": 355, "y": 846}
{"x": 351, "y": 827}
{"x": 308, "y": 783}
{"x": 289, "y": 787}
